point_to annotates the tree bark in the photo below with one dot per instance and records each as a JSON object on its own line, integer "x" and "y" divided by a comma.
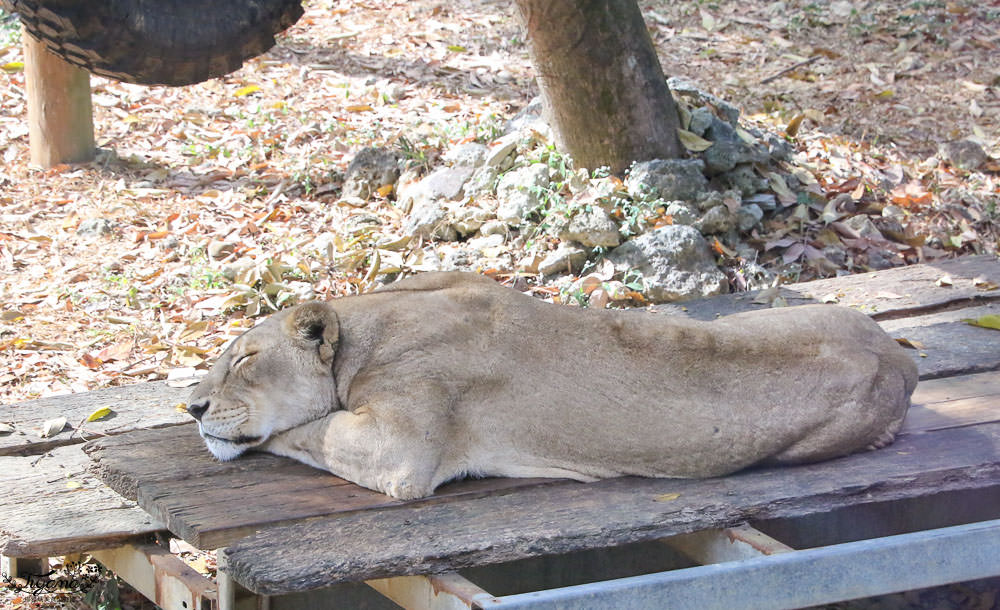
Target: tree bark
{"x": 60, "y": 115}
{"x": 604, "y": 91}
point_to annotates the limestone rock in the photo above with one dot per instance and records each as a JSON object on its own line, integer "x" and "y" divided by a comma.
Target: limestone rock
{"x": 716, "y": 220}
{"x": 675, "y": 262}
{"x": 727, "y": 150}
{"x": 471, "y": 154}
{"x": 681, "y": 213}
{"x": 220, "y": 249}
{"x": 667, "y": 179}
{"x": 371, "y": 169}
{"x": 567, "y": 258}
{"x": 964, "y": 154}
{"x": 741, "y": 178}
{"x": 682, "y": 88}
{"x": 94, "y": 227}
{"x": 701, "y": 119}
{"x": 593, "y": 228}
{"x": 748, "y": 216}
{"x": 517, "y": 192}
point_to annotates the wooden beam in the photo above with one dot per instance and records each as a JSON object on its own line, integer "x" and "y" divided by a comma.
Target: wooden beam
{"x": 60, "y": 115}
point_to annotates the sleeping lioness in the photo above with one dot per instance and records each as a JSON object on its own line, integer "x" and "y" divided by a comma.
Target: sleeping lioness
{"x": 445, "y": 375}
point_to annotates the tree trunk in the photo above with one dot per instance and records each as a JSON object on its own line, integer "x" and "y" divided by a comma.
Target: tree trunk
{"x": 605, "y": 94}
{"x": 60, "y": 115}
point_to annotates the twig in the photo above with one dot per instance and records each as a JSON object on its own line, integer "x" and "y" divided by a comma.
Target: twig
{"x": 792, "y": 68}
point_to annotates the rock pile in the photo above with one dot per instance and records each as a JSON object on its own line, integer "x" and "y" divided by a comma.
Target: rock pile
{"x": 516, "y": 205}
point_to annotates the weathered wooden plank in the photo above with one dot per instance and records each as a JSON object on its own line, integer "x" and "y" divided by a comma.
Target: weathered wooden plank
{"x": 143, "y": 405}
{"x": 567, "y": 517}
{"x": 954, "y": 402}
{"x": 51, "y": 505}
{"x": 949, "y": 346}
{"x": 211, "y": 503}
{"x": 898, "y": 292}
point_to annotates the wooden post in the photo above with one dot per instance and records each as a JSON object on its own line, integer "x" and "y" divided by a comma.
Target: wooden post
{"x": 60, "y": 116}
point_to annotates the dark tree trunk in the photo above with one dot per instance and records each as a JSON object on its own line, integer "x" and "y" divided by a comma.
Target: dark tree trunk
{"x": 604, "y": 90}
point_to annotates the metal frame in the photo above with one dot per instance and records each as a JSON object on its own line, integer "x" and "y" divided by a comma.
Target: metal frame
{"x": 161, "y": 576}
{"x": 795, "y": 579}
{"x": 742, "y": 567}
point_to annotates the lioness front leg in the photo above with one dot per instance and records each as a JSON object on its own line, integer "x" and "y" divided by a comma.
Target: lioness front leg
{"x": 358, "y": 448}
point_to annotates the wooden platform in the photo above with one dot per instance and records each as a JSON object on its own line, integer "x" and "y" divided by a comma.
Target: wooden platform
{"x": 289, "y": 527}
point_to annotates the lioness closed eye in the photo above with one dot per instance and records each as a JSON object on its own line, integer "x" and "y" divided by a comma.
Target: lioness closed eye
{"x": 449, "y": 374}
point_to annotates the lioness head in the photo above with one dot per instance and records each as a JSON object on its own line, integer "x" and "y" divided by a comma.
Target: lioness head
{"x": 275, "y": 377}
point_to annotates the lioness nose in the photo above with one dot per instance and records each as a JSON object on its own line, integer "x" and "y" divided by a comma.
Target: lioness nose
{"x": 198, "y": 408}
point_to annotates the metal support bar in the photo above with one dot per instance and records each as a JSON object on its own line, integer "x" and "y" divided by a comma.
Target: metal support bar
{"x": 796, "y": 579}
{"x": 438, "y": 592}
{"x": 732, "y": 544}
{"x": 23, "y": 567}
{"x": 161, "y": 576}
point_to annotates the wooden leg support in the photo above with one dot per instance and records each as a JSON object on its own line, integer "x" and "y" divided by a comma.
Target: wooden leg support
{"x": 161, "y": 576}
{"x": 60, "y": 114}
{"x": 437, "y": 592}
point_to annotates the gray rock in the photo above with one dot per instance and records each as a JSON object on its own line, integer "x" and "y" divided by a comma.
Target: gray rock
{"x": 483, "y": 181}
{"x": 710, "y": 199}
{"x": 767, "y": 201}
{"x": 687, "y": 89}
{"x": 701, "y": 119}
{"x": 94, "y": 227}
{"x": 493, "y": 227}
{"x": 593, "y": 228}
{"x": 863, "y": 226}
{"x": 485, "y": 242}
{"x": 741, "y": 178}
{"x": 518, "y": 192}
{"x": 879, "y": 260}
{"x": 727, "y": 150}
{"x": 675, "y": 262}
{"x": 566, "y": 258}
{"x": 220, "y": 249}
{"x": 472, "y": 154}
{"x": 748, "y": 216}
{"x": 501, "y": 149}
{"x": 445, "y": 183}
{"x": 458, "y": 258}
{"x": 667, "y": 179}
{"x": 429, "y": 219}
{"x": 528, "y": 118}
{"x": 468, "y": 220}
{"x": 778, "y": 148}
{"x": 716, "y": 220}
{"x": 371, "y": 169}
{"x": 425, "y": 200}
{"x": 964, "y": 154}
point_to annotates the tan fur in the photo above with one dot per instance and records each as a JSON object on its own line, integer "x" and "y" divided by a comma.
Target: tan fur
{"x": 448, "y": 374}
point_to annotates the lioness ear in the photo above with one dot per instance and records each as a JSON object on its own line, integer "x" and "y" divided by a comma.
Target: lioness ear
{"x": 316, "y": 322}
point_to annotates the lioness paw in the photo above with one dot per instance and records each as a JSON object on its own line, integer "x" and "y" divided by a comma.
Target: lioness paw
{"x": 403, "y": 489}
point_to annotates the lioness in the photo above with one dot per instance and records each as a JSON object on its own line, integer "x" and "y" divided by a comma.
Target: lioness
{"x": 450, "y": 374}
